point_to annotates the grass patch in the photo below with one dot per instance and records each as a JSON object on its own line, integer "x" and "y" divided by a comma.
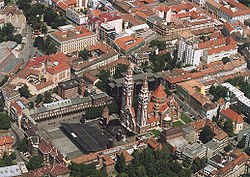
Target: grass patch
{"x": 185, "y": 118}
{"x": 156, "y": 133}
{"x": 177, "y": 124}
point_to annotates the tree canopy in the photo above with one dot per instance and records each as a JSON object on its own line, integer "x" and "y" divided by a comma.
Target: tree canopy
{"x": 84, "y": 170}
{"x": 85, "y": 54}
{"x": 22, "y": 145}
{"x": 34, "y": 163}
{"x": 228, "y": 127}
{"x": 24, "y": 91}
{"x": 198, "y": 164}
{"x": 206, "y": 134}
{"x": 242, "y": 84}
{"x": 5, "y": 123}
{"x": 225, "y": 60}
{"x": 218, "y": 92}
{"x": 161, "y": 45}
{"x": 7, "y": 34}
{"x": 154, "y": 163}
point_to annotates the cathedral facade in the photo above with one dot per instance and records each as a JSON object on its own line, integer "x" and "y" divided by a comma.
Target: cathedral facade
{"x": 153, "y": 110}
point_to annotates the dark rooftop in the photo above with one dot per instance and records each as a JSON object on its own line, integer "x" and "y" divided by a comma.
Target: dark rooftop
{"x": 68, "y": 84}
{"x": 90, "y": 139}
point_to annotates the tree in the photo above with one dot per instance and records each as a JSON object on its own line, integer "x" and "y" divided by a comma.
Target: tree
{"x": 101, "y": 85}
{"x": 5, "y": 79}
{"x": 198, "y": 164}
{"x": 24, "y": 4}
{"x": 218, "y": 92}
{"x": 120, "y": 68}
{"x": 2, "y": 105}
{"x": 228, "y": 127}
{"x": 94, "y": 112}
{"x": 49, "y": 47}
{"x": 84, "y": 54}
{"x": 225, "y": 60}
{"x": 13, "y": 155}
{"x": 241, "y": 143}
{"x": 228, "y": 148}
{"x": 247, "y": 151}
{"x": 120, "y": 163}
{"x": 84, "y": 170}
{"x": 39, "y": 99}
{"x": 22, "y": 145}
{"x": 7, "y": 159}
{"x": 113, "y": 108}
{"x": 186, "y": 163}
{"x": 31, "y": 105}
{"x": 5, "y": 123}
{"x": 34, "y": 163}
{"x": 47, "y": 97}
{"x": 18, "y": 38}
{"x": 39, "y": 43}
{"x": 206, "y": 134}
{"x": 24, "y": 91}
{"x": 44, "y": 29}
{"x": 104, "y": 75}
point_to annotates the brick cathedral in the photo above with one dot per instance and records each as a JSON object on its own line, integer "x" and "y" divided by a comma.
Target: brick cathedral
{"x": 154, "y": 110}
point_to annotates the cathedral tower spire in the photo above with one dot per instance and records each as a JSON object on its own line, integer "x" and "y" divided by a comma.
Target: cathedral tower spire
{"x": 128, "y": 87}
{"x": 142, "y": 114}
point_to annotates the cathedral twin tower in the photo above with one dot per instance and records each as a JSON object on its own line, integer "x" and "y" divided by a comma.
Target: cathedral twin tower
{"x": 152, "y": 110}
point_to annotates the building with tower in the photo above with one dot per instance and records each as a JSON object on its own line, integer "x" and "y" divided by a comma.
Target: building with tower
{"x": 153, "y": 110}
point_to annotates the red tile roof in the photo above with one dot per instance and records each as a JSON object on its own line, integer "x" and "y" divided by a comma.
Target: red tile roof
{"x": 121, "y": 42}
{"x": 159, "y": 92}
{"x": 53, "y": 170}
{"x": 5, "y": 140}
{"x": 232, "y": 115}
{"x": 17, "y": 108}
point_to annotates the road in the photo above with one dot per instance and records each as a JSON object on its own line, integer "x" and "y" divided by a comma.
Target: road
{"x": 17, "y": 133}
{"x": 29, "y": 50}
{"x": 186, "y": 107}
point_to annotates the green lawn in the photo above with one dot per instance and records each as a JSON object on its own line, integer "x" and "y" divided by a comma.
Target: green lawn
{"x": 156, "y": 132}
{"x": 185, "y": 118}
{"x": 177, "y": 124}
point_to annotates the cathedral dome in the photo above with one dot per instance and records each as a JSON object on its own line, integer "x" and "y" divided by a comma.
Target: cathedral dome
{"x": 159, "y": 95}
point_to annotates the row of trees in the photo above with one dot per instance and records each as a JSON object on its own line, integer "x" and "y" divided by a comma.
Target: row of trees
{"x": 46, "y": 46}
{"x": 7, "y": 34}
{"x": 242, "y": 84}
{"x": 97, "y": 112}
{"x": 84, "y": 170}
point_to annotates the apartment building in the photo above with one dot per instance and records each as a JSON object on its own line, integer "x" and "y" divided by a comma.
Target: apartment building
{"x": 76, "y": 16}
{"x": 5, "y": 145}
{"x": 72, "y": 39}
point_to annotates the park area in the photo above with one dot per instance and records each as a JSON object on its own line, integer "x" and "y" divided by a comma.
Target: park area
{"x": 185, "y": 118}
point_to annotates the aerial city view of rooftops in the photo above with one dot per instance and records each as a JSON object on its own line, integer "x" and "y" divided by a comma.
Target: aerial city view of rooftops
{"x": 125, "y": 88}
